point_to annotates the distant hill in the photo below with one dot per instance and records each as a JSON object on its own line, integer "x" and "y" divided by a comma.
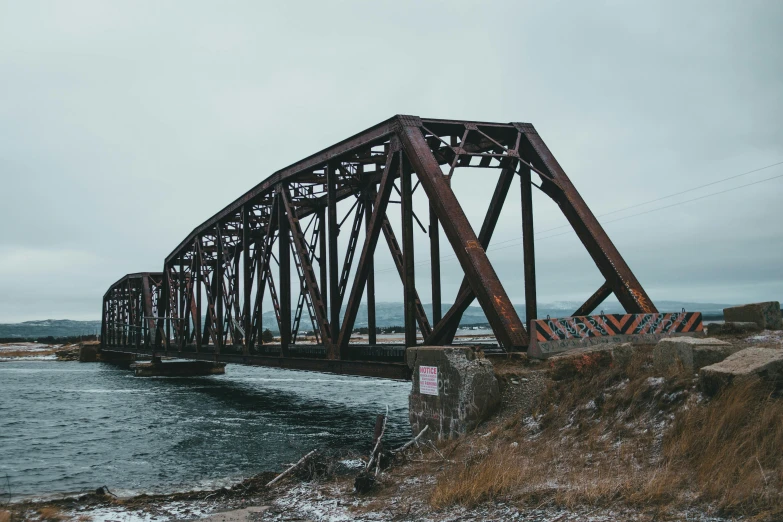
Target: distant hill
{"x": 49, "y": 328}
{"x": 386, "y": 314}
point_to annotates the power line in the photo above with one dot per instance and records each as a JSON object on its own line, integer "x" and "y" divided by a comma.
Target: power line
{"x": 659, "y": 199}
{"x": 518, "y": 240}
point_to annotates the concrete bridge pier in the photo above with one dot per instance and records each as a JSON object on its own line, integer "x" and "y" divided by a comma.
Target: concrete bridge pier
{"x": 158, "y": 368}
{"x": 454, "y": 389}
{"x": 121, "y": 358}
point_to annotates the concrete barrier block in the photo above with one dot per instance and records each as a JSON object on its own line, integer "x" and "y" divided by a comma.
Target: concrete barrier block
{"x": 88, "y": 353}
{"x": 689, "y": 353}
{"x": 766, "y": 315}
{"x": 453, "y": 390}
{"x": 751, "y": 363}
{"x": 585, "y": 360}
{"x": 732, "y": 328}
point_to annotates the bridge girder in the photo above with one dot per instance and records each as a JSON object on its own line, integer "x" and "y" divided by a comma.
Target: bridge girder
{"x": 208, "y": 299}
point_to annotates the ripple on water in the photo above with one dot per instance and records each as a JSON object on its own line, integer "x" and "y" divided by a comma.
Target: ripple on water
{"x": 68, "y": 427}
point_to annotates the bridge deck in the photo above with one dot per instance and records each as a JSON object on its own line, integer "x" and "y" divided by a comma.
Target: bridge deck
{"x": 391, "y": 366}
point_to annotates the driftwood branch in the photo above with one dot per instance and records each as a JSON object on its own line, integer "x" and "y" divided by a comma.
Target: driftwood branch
{"x": 375, "y": 455}
{"x": 411, "y": 442}
{"x": 292, "y": 468}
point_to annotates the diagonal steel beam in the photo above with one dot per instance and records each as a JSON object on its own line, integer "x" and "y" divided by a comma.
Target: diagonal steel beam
{"x": 494, "y": 300}
{"x": 605, "y": 255}
{"x": 396, "y": 253}
{"x": 310, "y": 280}
{"x": 370, "y": 242}
{"x": 446, "y": 328}
{"x": 594, "y": 300}
{"x": 350, "y": 252}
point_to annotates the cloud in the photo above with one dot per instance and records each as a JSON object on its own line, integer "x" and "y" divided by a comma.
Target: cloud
{"x": 124, "y": 125}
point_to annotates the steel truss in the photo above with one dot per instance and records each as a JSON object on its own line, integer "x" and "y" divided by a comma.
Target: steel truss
{"x": 213, "y": 283}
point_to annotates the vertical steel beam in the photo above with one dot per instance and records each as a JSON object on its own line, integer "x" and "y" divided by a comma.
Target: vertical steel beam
{"x": 528, "y": 246}
{"x": 284, "y": 258}
{"x": 605, "y": 255}
{"x": 219, "y": 284}
{"x": 444, "y": 330}
{"x": 197, "y": 289}
{"x": 409, "y": 276}
{"x": 370, "y": 242}
{"x": 322, "y": 254}
{"x": 369, "y": 195}
{"x": 494, "y": 300}
{"x": 333, "y": 351}
{"x": 247, "y": 280}
{"x": 104, "y": 312}
{"x": 183, "y": 313}
{"x": 149, "y": 324}
{"x": 260, "y": 282}
{"x": 311, "y": 285}
{"x": 399, "y": 263}
{"x": 167, "y": 301}
{"x": 435, "y": 266}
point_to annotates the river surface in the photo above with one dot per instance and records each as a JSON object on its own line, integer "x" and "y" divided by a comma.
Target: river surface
{"x": 67, "y": 427}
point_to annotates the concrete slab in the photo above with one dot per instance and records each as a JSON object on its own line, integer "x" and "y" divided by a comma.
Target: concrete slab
{"x": 454, "y": 389}
{"x": 767, "y": 315}
{"x": 732, "y": 328}
{"x": 584, "y": 360}
{"x": 88, "y": 353}
{"x": 689, "y": 354}
{"x": 751, "y": 363}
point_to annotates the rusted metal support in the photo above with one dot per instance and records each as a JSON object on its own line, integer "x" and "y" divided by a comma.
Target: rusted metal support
{"x": 605, "y": 255}
{"x": 409, "y": 277}
{"x": 333, "y": 232}
{"x": 198, "y": 290}
{"x": 219, "y": 285}
{"x": 397, "y": 257}
{"x": 594, "y": 300}
{"x": 148, "y": 321}
{"x": 229, "y": 254}
{"x": 444, "y": 330}
{"x": 182, "y": 302}
{"x": 322, "y": 255}
{"x": 437, "y": 312}
{"x": 528, "y": 247}
{"x": 353, "y": 238}
{"x": 370, "y": 242}
{"x": 167, "y": 310}
{"x": 369, "y": 195}
{"x": 303, "y": 254}
{"x": 284, "y": 260}
{"x": 247, "y": 279}
{"x": 503, "y": 319}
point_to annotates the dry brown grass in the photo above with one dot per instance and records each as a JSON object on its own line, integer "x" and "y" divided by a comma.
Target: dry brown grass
{"x": 730, "y": 451}
{"x": 5, "y": 516}
{"x": 608, "y": 435}
{"x": 26, "y": 353}
{"x": 51, "y": 514}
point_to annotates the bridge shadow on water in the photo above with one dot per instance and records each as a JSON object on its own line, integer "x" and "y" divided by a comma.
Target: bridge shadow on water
{"x": 295, "y": 405}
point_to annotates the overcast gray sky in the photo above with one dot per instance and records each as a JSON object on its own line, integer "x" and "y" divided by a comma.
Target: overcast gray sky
{"x": 123, "y": 125}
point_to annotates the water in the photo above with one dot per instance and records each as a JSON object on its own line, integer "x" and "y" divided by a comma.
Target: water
{"x": 67, "y": 427}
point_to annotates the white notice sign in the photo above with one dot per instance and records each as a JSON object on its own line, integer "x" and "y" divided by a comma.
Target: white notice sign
{"x": 428, "y": 380}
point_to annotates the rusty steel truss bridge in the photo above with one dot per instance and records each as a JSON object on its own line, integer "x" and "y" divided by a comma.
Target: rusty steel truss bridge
{"x": 282, "y": 235}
